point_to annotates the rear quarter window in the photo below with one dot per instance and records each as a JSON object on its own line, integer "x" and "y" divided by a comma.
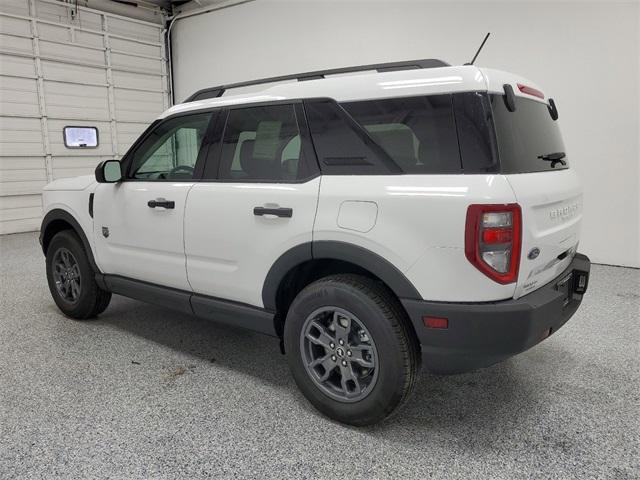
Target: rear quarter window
{"x": 418, "y": 133}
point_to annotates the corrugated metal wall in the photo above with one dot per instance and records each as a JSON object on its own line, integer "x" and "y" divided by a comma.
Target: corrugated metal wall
{"x": 59, "y": 68}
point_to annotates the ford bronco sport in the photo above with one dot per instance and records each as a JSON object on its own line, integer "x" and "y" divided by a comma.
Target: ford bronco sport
{"x": 373, "y": 218}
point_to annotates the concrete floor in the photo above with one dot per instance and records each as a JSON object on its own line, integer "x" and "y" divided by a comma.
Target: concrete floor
{"x": 143, "y": 392}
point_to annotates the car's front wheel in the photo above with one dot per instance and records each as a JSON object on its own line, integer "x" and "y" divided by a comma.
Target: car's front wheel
{"x": 350, "y": 348}
{"x": 72, "y": 280}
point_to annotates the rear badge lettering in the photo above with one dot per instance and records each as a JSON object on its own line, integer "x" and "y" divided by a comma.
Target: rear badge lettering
{"x": 564, "y": 213}
{"x": 533, "y": 253}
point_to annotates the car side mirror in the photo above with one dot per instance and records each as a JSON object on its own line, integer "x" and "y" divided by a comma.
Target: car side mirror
{"x": 108, "y": 171}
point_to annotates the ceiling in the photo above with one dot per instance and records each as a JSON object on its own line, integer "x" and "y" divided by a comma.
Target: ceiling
{"x": 168, "y": 4}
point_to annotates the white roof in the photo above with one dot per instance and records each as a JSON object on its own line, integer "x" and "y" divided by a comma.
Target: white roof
{"x": 371, "y": 85}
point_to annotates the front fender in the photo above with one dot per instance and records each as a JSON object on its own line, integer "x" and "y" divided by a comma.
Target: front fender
{"x": 54, "y": 221}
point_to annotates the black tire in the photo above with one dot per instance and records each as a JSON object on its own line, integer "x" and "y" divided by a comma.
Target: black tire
{"x": 397, "y": 351}
{"x": 91, "y": 299}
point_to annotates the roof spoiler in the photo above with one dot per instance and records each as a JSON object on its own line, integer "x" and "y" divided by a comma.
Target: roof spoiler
{"x": 213, "y": 92}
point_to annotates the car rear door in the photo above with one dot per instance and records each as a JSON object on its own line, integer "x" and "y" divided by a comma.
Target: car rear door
{"x": 257, "y": 200}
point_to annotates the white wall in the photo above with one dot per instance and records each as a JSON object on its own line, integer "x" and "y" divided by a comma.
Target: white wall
{"x": 585, "y": 55}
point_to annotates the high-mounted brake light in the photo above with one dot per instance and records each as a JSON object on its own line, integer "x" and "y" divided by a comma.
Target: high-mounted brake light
{"x": 493, "y": 240}
{"x": 530, "y": 91}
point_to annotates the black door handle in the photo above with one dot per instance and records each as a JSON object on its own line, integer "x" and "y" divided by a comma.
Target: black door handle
{"x": 278, "y": 212}
{"x": 161, "y": 202}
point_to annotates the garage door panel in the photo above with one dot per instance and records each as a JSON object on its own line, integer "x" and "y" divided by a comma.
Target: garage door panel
{"x": 76, "y": 101}
{"x": 20, "y": 137}
{"x": 21, "y": 188}
{"x": 90, "y": 39}
{"x": 136, "y": 106}
{"x": 72, "y": 52}
{"x": 135, "y": 47}
{"x": 12, "y": 43}
{"x": 20, "y": 201}
{"x": 16, "y": 226}
{"x": 22, "y": 163}
{"x": 148, "y": 33}
{"x": 16, "y": 175}
{"x": 129, "y": 133}
{"x": 62, "y": 164}
{"x": 20, "y": 213}
{"x": 17, "y": 66}
{"x": 19, "y": 96}
{"x": 62, "y": 14}
{"x": 138, "y": 63}
{"x": 16, "y": 26}
{"x": 17, "y": 7}
{"x": 65, "y": 167}
{"x": 73, "y": 73}
{"x": 137, "y": 80}
{"x": 46, "y": 31}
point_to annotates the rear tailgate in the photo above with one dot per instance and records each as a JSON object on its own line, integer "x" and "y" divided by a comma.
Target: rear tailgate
{"x": 551, "y": 205}
{"x": 534, "y": 162}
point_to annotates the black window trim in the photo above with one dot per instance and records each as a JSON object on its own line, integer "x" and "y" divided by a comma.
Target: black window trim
{"x": 64, "y": 137}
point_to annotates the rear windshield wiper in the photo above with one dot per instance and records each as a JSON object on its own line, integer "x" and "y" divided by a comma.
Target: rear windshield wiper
{"x": 556, "y": 157}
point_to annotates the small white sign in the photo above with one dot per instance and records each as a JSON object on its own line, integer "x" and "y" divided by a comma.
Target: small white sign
{"x": 81, "y": 137}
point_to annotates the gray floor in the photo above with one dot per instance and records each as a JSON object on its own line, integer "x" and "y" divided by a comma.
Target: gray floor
{"x": 144, "y": 392}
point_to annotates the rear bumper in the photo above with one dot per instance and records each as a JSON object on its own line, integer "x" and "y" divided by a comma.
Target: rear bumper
{"x": 481, "y": 334}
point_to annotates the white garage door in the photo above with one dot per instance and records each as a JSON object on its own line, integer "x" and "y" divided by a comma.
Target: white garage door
{"x": 65, "y": 67}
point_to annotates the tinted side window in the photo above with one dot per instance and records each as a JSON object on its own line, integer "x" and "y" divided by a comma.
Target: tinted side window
{"x": 171, "y": 149}
{"x": 262, "y": 143}
{"x": 343, "y": 148}
{"x": 418, "y": 133}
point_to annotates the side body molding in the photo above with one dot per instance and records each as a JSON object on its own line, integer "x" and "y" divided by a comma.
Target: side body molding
{"x": 56, "y": 215}
{"x": 347, "y": 252}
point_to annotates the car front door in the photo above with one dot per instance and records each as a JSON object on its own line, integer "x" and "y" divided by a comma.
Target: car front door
{"x": 138, "y": 222}
{"x": 257, "y": 200}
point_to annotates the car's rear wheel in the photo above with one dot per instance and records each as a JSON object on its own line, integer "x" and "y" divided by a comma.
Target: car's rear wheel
{"x": 350, "y": 348}
{"x": 72, "y": 280}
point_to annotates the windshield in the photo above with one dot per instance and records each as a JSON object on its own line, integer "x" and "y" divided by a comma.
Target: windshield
{"x": 529, "y": 139}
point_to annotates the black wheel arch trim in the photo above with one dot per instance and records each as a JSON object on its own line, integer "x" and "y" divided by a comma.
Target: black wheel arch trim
{"x": 335, "y": 250}
{"x": 59, "y": 214}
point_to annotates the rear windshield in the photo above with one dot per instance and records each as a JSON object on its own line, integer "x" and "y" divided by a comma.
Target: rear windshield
{"x": 528, "y": 139}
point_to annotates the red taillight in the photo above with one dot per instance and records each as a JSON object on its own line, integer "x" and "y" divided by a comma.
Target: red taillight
{"x": 435, "y": 322}
{"x": 497, "y": 235}
{"x": 493, "y": 240}
{"x": 530, "y": 91}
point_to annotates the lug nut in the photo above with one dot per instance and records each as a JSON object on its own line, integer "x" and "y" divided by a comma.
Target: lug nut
{"x": 344, "y": 363}
{"x": 341, "y": 342}
{"x": 333, "y": 357}
{"x": 349, "y": 353}
{"x": 332, "y": 345}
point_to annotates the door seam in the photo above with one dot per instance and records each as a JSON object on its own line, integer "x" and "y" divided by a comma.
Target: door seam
{"x": 184, "y": 236}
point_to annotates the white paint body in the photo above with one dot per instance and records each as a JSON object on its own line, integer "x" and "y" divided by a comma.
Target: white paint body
{"x": 213, "y": 244}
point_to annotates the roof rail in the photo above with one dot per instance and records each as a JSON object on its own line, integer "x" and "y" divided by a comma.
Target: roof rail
{"x": 213, "y": 92}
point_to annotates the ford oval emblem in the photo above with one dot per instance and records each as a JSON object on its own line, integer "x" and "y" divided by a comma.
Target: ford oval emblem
{"x": 533, "y": 253}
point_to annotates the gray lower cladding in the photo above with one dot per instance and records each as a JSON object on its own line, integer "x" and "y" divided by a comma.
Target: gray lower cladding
{"x": 227, "y": 312}
{"x": 481, "y": 334}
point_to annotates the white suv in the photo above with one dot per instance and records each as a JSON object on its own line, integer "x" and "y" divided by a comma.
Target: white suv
{"x": 373, "y": 218}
